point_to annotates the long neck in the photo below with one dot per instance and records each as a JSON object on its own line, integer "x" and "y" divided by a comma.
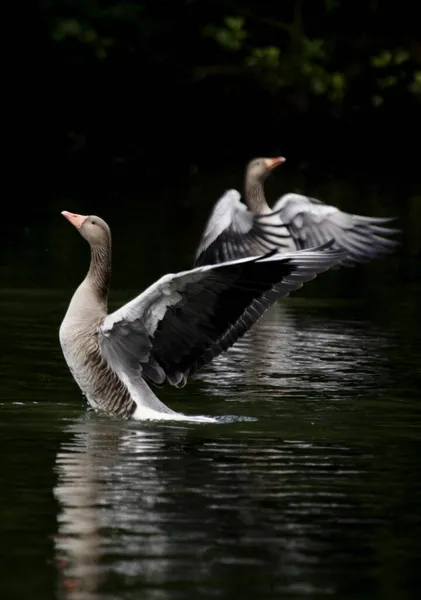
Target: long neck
{"x": 99, "y": 273}
{"x": 255, "y": 195}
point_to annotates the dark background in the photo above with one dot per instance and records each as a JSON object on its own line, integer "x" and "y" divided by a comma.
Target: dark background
{"x": 144, "y": 113}
{"x": 117, "y": 106}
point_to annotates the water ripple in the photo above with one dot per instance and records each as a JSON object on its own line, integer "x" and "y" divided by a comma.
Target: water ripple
{"x": 306, "y": 486}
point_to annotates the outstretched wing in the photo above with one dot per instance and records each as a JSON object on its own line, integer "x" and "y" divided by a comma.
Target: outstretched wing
{"x": 310, "y": 222}
{"x": 234, "y": 232}
{"x": 183, "y": 321}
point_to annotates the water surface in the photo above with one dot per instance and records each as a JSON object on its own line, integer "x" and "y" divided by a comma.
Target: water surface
{"x": 308, "y": 486}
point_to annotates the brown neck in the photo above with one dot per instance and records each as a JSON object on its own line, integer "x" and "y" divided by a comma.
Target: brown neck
{"x": 255, "y": 195}
{"x": 99, "y": 273}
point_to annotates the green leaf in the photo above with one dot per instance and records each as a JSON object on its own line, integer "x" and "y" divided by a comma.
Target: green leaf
{"x": 65, "y": 28}
{"x": 381, "y": 60}
{"x": 401, "y": 56}
{"x": 338, "y": 85}
{"x": 264, "y": 57}
{"x": 234, "y": 23}
{"x": 415, "y": 86}
{"x": 376, "y": 100}
{"x": 230, "y": 37}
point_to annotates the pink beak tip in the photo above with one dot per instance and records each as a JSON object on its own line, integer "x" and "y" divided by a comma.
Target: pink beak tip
{"x": 76, "y": 220}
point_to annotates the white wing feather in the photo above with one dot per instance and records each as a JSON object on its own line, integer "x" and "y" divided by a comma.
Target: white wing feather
{"x": 183, "y": 321}
{"x": 310, "y": 222}
{"x": 234, "y": 232}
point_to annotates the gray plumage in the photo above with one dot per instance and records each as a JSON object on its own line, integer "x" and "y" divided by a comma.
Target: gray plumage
{"x": 177, "y": 325}
{"x": 234, "y": 232}
{"x": 295, "y": 222}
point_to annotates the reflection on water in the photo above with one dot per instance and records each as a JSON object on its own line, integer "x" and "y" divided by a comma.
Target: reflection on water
{"x": 155, "y": 508}
{"x": 98, "y": 492}
{"x": 291, "y": 353}
{"x": 78, "y": 541}
{"x": 302, "y": 503}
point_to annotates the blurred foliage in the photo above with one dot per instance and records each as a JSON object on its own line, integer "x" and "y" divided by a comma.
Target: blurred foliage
{"x": 349, "y": 53}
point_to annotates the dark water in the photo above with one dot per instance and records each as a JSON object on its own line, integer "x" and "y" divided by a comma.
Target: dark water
{"x": 309, "y": 486}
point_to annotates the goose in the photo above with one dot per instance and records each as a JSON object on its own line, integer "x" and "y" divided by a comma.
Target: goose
{"x": 237, "y": 230}
{"x": 177, "y": 325}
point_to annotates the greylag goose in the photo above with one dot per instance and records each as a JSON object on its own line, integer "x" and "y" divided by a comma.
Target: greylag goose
{"x": 295, "y": 222}
{"x": 174, "y": 327}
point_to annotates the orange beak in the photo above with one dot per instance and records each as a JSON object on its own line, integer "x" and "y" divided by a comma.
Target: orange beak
{"x": 271, "y": 163}
{"x": 76, "y": 220}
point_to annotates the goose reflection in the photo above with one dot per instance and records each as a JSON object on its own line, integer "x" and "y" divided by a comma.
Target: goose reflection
{"x": 99, "y": 500}
{"x": 299, "y": 351}
{"x": 154, "y": 511}
{"x": 249, "y": 365}
{"x": 78, "y": 542}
